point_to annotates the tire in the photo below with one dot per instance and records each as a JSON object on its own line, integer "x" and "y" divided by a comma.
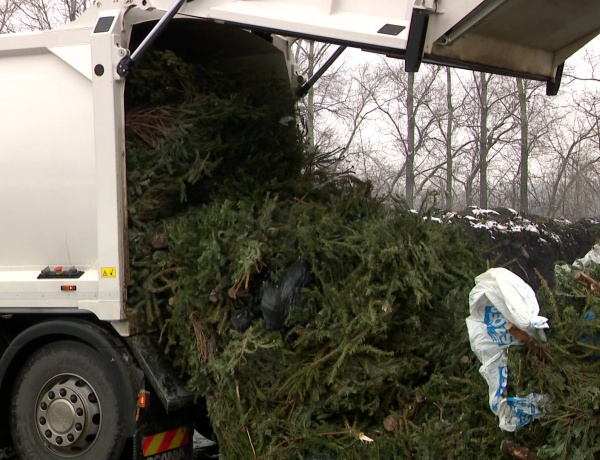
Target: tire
{"x": 65, "y": 405}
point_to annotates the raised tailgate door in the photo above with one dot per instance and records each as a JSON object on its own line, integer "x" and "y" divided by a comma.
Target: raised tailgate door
{"x": 528, "y": 38}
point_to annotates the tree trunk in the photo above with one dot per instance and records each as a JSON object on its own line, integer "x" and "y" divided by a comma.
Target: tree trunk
{"x": 449, "y": 184}
{"x": 410, "y": 154}
{"x": 524, "y": 203}
{"x": 469, "y": 187}
{"x": 483, "y": 142}
{"x": 310, "y": 100}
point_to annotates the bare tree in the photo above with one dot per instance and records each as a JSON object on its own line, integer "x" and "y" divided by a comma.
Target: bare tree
{"x": 473, "y": 137}
{"x": 308, "y": 56}
{"x": 535, "y": 116}
{"x": 405, "y": 102}
{"x": 570, "y": 146}
{"x": 46, "y": 14}
{"x": 336, "y": 109}
{"x": 489, "y": 122}
{"x": 410, "y": 140}
{"x": 588, "y": 69}
{"x": 7, "y": 11}
{"x": 448, "y": 139}
{"x": 447, "y": 107}
{"x": 483, "y": 139}
{"x": 524, "y": 122}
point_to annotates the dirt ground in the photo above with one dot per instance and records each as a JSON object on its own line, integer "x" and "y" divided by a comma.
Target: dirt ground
{"x": 523, "y": 244}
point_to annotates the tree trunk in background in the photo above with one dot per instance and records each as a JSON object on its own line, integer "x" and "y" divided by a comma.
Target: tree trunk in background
{"x": 310, "y": 99}
{"x": 410, "y": 156}
{"x": 469, "y": 193}
{"x": 483, "y": 142}
{"x": 524, "y": 203}
{"x": 449, "y": 184}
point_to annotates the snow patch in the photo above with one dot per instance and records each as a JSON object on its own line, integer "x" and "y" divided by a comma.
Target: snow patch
{"x": 489, "y": 225}
{"x": 483, "y": 212}
{"x": 562, "y": 220}
{"x": 450, "y": 216}
{"x": 532, "y": 228}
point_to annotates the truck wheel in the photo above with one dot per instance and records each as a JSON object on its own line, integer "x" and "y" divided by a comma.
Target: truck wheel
{"x": 64, "y": 405}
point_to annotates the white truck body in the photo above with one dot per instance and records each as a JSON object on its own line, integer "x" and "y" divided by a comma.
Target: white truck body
{"x": 51, "y": 180}
{"x": 62, "y": 147}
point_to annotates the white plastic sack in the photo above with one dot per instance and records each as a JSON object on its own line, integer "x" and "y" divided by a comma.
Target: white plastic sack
{"x": 591, "y": 258}
{"x": 498, "y": 298}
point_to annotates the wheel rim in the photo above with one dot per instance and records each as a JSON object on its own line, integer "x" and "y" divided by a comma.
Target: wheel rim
{"x": 68, "y": 415}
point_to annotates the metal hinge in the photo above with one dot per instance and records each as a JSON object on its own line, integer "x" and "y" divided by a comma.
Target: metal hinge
{"x": 141, "y": 4}
{"x": 126, "y": 64}
{"x": 429, "y": 5}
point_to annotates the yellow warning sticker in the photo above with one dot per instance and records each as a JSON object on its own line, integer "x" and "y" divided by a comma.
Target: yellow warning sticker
{"x": 109, "y": 272}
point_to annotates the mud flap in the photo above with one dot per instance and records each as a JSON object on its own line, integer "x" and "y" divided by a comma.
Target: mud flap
{"x": 172, "y": 441}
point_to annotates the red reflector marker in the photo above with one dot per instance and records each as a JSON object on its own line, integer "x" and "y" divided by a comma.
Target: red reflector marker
{"x": 143, "y": 399}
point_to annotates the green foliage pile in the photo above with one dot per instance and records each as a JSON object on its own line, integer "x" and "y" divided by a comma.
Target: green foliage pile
{"x": 193, "y": 137}
{"x": 379, "y": 335}
{"x": 218, "y": 209}
{"x": 375, "y": 362}
{"x": 566, "y": 368}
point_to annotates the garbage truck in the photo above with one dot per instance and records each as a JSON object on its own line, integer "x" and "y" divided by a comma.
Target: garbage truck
{"x": 77, "y": 379}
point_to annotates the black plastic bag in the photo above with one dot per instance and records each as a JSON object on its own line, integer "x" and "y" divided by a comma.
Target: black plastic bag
{"x": 278, "y": 297}
{"x": 244, "y": 318}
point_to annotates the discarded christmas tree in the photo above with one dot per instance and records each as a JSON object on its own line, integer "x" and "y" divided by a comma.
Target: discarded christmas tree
{"x": 566, "y": 368}
{"x": 316, "y": 321}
